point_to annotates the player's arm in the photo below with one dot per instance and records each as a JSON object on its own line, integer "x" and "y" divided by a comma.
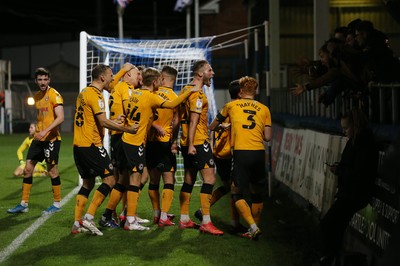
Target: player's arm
{"x": 180, "y": 98}
{"x": 120, "y": 119}
{"x": 175, "y": 123}
{"x": 110, "y": 124}
{"x": 125, "y": 68}
{"x": 194, "y": 120}
{"x": 59, "y": 113}
{"x": 216, "y": 122}
{"x": 268, "y": 127}
{"x": 160, "y": 130}
{"x": 267, "y": 133}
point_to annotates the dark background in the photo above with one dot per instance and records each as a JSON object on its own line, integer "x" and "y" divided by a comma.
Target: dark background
{"x": 37, "y": 22}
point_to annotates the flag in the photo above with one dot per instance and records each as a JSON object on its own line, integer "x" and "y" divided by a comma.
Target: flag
{"x": 122, "y": 3}
{"x": 181, "y": 4}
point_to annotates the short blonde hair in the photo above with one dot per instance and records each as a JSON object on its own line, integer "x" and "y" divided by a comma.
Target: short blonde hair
{"x": 248, "y": 85}
{"x": 149, "y": 75}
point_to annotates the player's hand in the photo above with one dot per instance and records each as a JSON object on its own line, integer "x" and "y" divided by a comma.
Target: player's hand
{"x": 160, "y": 130}
{"x": 174, "y": 148}
{"x": 192, "y": 150}
{"x": 134, "y": 128}
{"x": 128, "y": 66}
{"x": 121, "y": 119}
{"x": 39, "y": 135}
{"x": 224, "y": 125}
{"x": 196, "y": 88}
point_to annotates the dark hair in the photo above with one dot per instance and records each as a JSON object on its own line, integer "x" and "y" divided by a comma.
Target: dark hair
{"x": 334, "y": 41}
{"x": 342, "y": 29}
{"x": 198, "y": 65}
{"x": 234, "y": 89}
{"x": 42, "y": 72}
{"x": 365, "y": 26}
{"x": 352, "y": 25}
{"x": 170, "y": 70}
{"x": 99, "y": 70}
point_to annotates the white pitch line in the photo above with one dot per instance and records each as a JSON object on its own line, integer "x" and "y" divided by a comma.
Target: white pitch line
{"x": 31, "y": 229}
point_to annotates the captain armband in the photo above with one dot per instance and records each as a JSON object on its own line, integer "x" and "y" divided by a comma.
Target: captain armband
{"x": 220, "y": 118}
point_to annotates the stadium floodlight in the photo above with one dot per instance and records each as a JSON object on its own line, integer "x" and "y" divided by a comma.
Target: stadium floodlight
{"x": 30, "y": 101}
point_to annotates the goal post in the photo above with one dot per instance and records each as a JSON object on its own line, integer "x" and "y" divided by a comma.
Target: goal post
{"x": 179, "y": 53}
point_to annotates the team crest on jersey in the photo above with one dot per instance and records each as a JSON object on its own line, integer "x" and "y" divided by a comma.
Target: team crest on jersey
{"x": 47, "y": 98}
{"x": 111, "y": 166}
{"x": 58, "y": 98}
{"x": 141, "y": 166}
{"x": 101, "y": 104}
{"x": 211, "y": 162}
{"x": 199, "y": 103}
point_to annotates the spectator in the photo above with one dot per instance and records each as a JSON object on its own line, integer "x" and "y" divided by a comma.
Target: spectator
{"x": 340, "y": 33}
{"x": 342, "y": 73}
{"x": 381, "y": 65}
{"x": 351, "y": 34}
{"x": 356, "y": 172}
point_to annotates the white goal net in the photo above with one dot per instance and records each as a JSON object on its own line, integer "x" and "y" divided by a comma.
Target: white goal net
{"x": 179, "y": 53}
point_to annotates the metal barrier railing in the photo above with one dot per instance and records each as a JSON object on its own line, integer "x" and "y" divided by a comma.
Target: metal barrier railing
{"x": 388, "y": 103}
{"x": 381, "y": 103}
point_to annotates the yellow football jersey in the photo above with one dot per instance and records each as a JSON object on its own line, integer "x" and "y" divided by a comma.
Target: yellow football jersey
{"x": 222, "y": 142}
{"x": 46, "y": 102}
{"x": 119, "y": 94}
{"x": 197, "y": 102}
{"x": 139, "y": 109}
{"x": 89, "y": 103}
{"x": 248, "y": 120}
{"x": 163, "y": 117}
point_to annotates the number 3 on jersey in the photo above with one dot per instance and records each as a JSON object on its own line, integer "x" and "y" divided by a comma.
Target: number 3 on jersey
{"x": 250, "y": 118}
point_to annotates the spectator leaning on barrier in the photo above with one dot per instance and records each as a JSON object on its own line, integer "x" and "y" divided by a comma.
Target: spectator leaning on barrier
{"x": 343, "y": 64}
